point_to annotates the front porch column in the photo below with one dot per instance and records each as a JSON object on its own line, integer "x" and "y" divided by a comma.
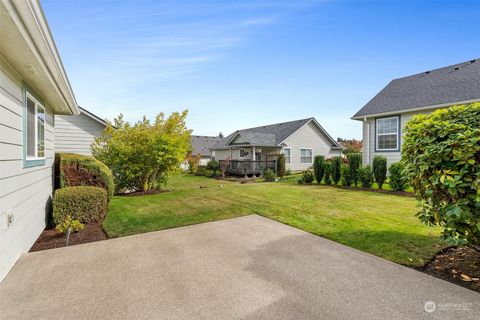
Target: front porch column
{"x": 253, "y": 153}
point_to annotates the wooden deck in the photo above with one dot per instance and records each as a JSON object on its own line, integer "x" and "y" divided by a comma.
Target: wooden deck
{"x": 250, "y": 167}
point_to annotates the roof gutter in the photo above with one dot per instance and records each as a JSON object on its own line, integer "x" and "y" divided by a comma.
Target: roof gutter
{"x": 435, "y": 106}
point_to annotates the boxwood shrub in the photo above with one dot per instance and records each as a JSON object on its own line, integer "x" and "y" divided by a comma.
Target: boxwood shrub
{"x": 79, "y": 170}
{"x": 83, "y": 203}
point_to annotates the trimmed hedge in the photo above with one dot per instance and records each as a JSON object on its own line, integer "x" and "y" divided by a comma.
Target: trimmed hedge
{"x": 319, "y": 168}
{"x": 380, "y": 170}
{"x": 336, "y": 169}
{"x": 365, "y": 176}
{"x": 355, "y": 162}
{"x": 83, "y": 203}
{"x": 78, "y": 170}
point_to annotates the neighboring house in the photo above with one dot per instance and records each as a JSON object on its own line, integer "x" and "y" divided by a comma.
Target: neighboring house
{"x": 300, "y": 141}
{"x": 201, "y": 146}
{"x": 75, "y": 134}
{"x": 33, "y": 88}
{"x": 385, "y": 116}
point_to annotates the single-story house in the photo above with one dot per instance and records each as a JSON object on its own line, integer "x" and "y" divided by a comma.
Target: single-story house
{"x": 75, "y": 134}
{"x": 201, "y": 146}
{"x": 300, "y": 141}
{"x": 387, "y": 113}
{"x": 33, "y": 88}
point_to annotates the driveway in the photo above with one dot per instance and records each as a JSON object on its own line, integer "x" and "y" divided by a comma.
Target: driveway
{"x": 243, "y": 268}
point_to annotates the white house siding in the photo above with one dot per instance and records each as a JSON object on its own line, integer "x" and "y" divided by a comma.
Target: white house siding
{"x": 369, "y": 139}
{"x": 308, "y": 136}
{"x": 75, "y": 134}
{"x": 24, "y": 191}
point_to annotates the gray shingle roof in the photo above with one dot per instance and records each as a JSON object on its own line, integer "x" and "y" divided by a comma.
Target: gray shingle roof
{"x": 459, "y": 82}
{"x": 269, "y": 135}
{"x": 201, "y": 144}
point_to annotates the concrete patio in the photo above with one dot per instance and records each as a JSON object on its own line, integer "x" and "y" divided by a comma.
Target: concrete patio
{"x": 242, "y": 268}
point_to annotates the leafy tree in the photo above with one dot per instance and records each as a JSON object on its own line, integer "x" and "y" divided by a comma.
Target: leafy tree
{"x": 281, "y": 165}
{"x": 441, "y": 152}
{"x": 142, "y": 155}
{"x": 398, "y": 181}
{"x": 355, "y": 162}
{"x": 351, "y": 145}
{"x": 319, "y": 168}
{"x": 214, "y": 166}
{"x": 336, "y": 169}
{"x": 380, "y": 170}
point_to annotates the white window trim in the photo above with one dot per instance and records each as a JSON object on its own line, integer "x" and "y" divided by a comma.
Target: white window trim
{"x": 289, "y": 155}
{"x": 37, "y": 105}
{"x": 311, "y": 151}
{"x": 387, "y": 134}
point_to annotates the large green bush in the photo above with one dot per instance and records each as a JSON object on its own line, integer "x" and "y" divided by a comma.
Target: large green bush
{"x": 308, "y": 176}
{"x": 397, "y": 179}
{"x": 365, "y": 176}
{"x": 84, "y": 203}
{"x": 346, "y": 179}
{"x": 328, "y": 173}
{"x": 355, "y": 162}
{"x": 441, "y": 152}
{"x": 269, "y": 176}
{"x": 281, "y": 166}
{"x": 336, "y": 169}
{"x": 380, "y": 170}
{"x": 319, "y": 168}
{"x": 214, "y": 166}
{"x": 78, "y": 170}
{"x": 143, "y": 155}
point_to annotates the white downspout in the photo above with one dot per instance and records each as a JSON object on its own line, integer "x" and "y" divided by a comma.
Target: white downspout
{"x": 253, "y": 153}
{"x": 366, "y": 141}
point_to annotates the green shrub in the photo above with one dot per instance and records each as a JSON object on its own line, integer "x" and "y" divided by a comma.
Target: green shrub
{"x": 78, "y": 170}
{"x": 441, "y": 152}
{"x": 328, "y": 173}
{"x": 380, "y": 170}
{"x": 365, "y": 176}
{"x": 346, "y": 179}
{"x": 281, "y": 165}
{"x": 201, "y": 171}
{"x": 84, "y": 203}
{"x": 308, "y": 176}
{"x": 300, "y": 180}
{"x": 336, "y": 169}
{"x": 214, "y": 166}
{"x": 397, "y": 179}
{"x": 269, "y": 176}
{"x": 288, "y": 172}
{"x": 142, "y": 155}
{"x": 193, "y": 161}
{"x": 355, "y": 162}
{"x": 319, "y": 168}
{"x": 69, "y": 223}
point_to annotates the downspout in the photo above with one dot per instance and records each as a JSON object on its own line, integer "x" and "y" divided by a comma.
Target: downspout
{"x": 366, "y": 141}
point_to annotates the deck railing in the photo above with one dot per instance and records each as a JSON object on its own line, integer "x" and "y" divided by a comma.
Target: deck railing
{"x": 249, "y": 167}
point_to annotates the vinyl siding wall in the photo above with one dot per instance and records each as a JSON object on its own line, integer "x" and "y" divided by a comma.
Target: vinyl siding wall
{"x": 310, "y": 137}
{"x": 75, "y": 134}
{"x": 369, "y": 138}
{"x": 25, "y": 191}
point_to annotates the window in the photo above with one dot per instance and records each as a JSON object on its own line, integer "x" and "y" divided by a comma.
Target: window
{"x": 387, "y": 134}
{"x": 306, "y": 156}
{"x": 35, "y": 129}
{"x": 286, "y": 153}
{"x": 243, "y": 154}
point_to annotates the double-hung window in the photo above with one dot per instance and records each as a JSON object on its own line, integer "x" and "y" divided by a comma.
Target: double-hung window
{"x": 286, "y": 153}
{"x": 34, "y": 129}
{"x": 306, "y": 156}
{"x": 387, "y": 134}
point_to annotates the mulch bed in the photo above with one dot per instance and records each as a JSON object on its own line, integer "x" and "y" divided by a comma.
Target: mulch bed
{"x": 51, "y": 238}
{"x": 460, "y": 265}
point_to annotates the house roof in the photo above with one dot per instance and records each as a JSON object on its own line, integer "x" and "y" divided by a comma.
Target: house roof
{"x": 201, "y": 144}
{"x": 458, "y": 83}
{"x": 93, "y": 116}
{"x": 270, "y": 135}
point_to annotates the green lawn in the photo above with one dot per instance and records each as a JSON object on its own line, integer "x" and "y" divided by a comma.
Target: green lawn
{"x": 384, "y": 225}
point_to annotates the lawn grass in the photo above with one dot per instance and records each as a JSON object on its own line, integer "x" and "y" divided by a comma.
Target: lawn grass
{"x": 381, "y": 224}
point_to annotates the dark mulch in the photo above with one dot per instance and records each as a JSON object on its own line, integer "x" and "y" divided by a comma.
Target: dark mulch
{"x": 460, "y": 265}
{"x": 141, "y": 193}
{"x": 51, "y": 238}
